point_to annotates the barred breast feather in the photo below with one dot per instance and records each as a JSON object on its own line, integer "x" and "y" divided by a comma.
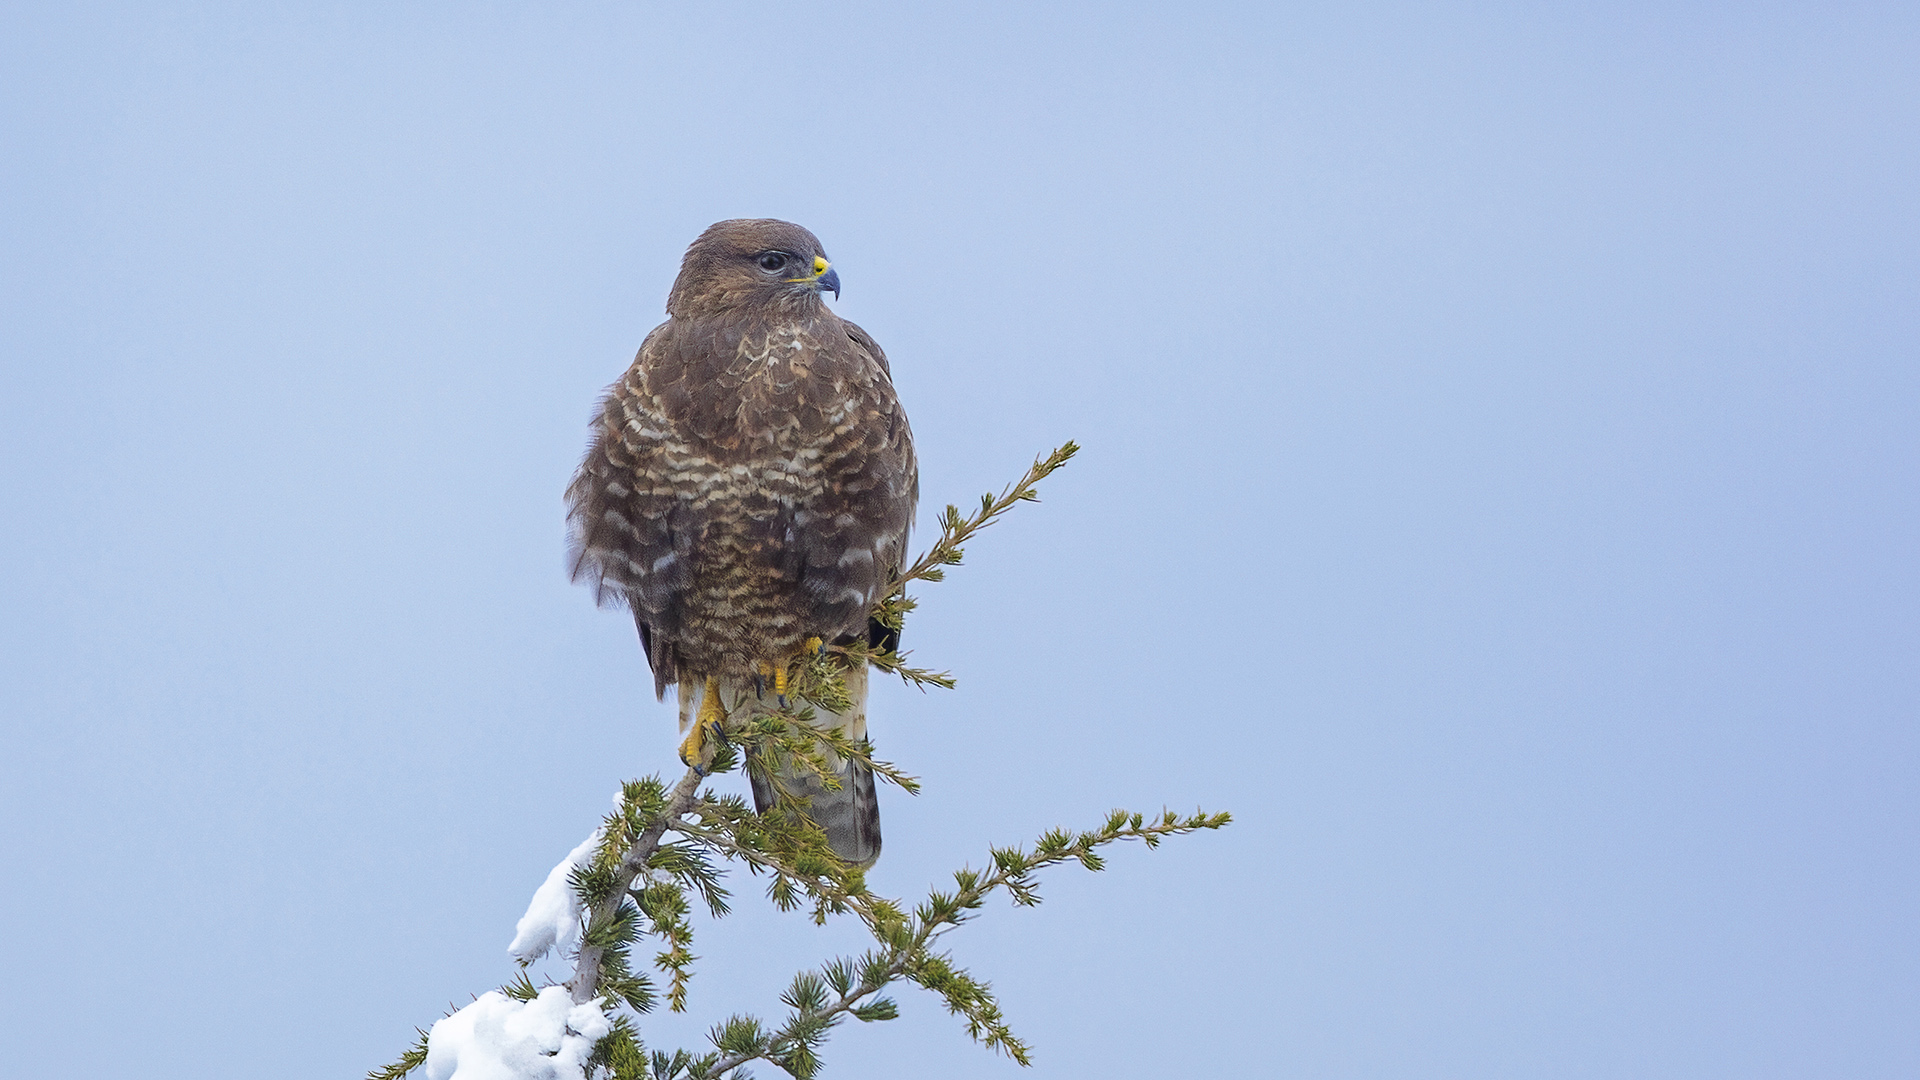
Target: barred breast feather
{"x": 750, "y": 484}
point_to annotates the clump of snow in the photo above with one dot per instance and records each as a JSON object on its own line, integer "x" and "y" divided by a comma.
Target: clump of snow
{"x": 498, "y": 1038}
{"x": 553, "y": 915}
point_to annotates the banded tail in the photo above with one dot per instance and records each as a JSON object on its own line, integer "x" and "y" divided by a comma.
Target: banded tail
{"x": 850, "y": 816}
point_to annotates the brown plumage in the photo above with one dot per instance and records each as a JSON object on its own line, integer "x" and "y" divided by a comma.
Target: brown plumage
{"x": 750, "y": 485}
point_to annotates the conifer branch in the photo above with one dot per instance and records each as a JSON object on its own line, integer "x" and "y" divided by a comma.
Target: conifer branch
{"x": 415, "y": 1057}
{"x": 789, "y": 734}
{"x": 632, "y": 836}
{"x": 906, "y": 948}
{"x": 662, "y": 846}
{"x": 955, "y": 530}
{"x": 895, "y": 663}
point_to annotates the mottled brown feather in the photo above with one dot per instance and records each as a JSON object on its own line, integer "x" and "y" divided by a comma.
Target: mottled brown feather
{"x": 751, "y": 478}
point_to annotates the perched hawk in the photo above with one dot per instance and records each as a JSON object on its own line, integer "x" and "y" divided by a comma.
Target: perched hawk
{"x": 747, "y": 495}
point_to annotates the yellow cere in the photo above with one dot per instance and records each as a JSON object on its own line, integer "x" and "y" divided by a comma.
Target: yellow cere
{"x": 820, "y": 265}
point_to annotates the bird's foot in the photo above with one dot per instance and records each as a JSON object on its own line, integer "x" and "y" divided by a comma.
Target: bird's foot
{"x": 709, "y": 730}
{"x": 809, "y": 647}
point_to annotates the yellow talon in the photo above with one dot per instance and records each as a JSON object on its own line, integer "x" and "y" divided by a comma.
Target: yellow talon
{"x": 695, "y": 750}
{"x": 809, "y": 647}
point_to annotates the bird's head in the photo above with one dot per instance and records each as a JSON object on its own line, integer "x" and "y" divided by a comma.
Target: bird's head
{"x": 752, "y": 262}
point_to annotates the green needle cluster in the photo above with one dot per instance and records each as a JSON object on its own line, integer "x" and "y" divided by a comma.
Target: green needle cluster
{"x": 664, "y": 847}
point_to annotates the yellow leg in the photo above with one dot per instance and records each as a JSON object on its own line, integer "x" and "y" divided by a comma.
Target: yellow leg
{"x": 811, "y": 646}
{"x": 695, "y": 749}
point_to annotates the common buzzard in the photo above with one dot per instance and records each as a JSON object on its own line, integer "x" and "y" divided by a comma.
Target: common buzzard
{"x": 747, "y": 495}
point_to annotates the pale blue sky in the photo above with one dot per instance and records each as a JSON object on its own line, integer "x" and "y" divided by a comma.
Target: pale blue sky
{"x": 1499, "y": 493}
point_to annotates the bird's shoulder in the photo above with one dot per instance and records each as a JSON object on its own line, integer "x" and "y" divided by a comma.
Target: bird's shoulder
{"x": 864, "y": 343}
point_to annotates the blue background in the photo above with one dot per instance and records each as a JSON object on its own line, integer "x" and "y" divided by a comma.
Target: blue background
{"x": 1499, "y": 493}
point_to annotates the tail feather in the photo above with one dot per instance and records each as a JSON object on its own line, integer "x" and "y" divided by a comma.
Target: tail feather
{"x": 849, "y": 816}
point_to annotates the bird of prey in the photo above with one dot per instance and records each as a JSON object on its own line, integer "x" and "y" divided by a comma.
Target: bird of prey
{"x": 747, "y": 495}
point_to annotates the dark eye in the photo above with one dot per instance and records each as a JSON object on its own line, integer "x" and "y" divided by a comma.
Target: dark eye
{"x": 772, "y": 261}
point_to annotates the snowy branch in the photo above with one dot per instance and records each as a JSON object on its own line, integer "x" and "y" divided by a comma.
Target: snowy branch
{"x": 633, "y": 861}
{"x": 660, "y": 847}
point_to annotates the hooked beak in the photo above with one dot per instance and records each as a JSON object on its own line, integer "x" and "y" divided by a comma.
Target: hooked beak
{"x": 823, "y": 277}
